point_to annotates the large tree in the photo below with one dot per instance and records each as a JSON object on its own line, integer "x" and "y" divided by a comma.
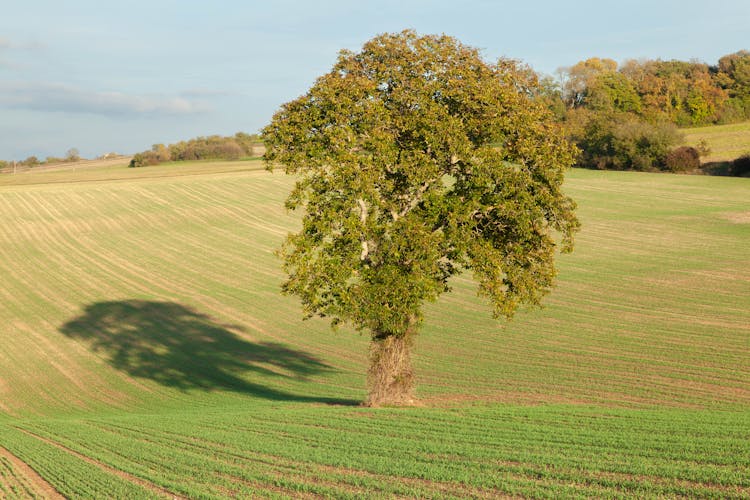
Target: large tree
{"x": 415, "y": 160}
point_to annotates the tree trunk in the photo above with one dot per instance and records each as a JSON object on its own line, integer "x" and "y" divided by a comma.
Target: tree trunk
{"x": 390, "y": 378}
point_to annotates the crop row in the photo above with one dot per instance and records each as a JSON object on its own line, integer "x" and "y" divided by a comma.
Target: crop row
{"x": 12, "y": 484}
{"x": 70, "y": 475}
{"x": 475, "y": 451}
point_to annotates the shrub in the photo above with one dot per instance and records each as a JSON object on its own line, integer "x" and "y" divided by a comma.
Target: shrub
{"x": 622, "y": 141}
{"x": 741, "y": 166}
{"x": 228, "y": 150}
{"x": 136, "y": 161}
{"x": 144, "y": 159}
{"x": 31, "y": 161}
{"x": 703, "y": 148}
{"x": 683, "y": 159}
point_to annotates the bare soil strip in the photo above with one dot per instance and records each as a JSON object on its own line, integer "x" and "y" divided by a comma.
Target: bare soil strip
{"x": 122, "y": 474}
{"x": 37, "y": 482}
{"x": 738, "y": 217}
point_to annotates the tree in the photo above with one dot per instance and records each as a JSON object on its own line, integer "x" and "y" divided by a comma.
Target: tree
{"x": 72, "y": 155}
{"x": 579, "y": 77}
{"x": 612, "y": 91}
{"x": 417, "y": 160}
{"x": 734, "y": 76}
{"x": 31, "y": 161}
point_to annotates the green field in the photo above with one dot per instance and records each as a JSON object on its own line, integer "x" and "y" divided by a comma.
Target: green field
{"x": 726, "y": 142}
{"x": 145, "y": 351}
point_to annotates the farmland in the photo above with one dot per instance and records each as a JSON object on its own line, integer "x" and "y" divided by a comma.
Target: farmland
{"x": 725, "y": 142}
{"x": 146, "y": 351}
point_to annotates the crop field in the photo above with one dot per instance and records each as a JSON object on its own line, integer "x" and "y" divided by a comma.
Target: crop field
{"x": 145, "y": 351}
{"x": 726, "y": 142}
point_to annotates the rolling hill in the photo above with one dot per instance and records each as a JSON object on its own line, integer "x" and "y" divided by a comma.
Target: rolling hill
{"x": 146, "y": 351}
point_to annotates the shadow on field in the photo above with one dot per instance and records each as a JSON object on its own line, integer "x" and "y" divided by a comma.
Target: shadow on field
{"x": 179, "y": 347}
{"x": 721, "y": 168}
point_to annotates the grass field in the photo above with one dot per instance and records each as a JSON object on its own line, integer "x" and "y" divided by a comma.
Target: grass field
{"x": 145, "y": 351}
{"x": 726, "y": 142}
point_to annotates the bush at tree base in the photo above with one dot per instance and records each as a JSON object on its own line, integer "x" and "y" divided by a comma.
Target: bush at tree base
{"x": 683, "y": 159}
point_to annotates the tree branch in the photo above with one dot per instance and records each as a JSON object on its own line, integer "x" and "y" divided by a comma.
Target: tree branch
{"x": 413, "y": 202}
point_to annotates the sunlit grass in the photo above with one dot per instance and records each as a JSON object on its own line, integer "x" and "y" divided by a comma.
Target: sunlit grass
{"x": 726, "y": 142}
{"x": 143, "y": 329}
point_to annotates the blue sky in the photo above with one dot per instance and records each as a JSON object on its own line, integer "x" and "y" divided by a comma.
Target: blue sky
{"x": 120, "y": 76}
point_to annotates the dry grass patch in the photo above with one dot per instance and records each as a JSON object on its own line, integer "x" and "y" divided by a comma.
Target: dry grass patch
{"x": 738, "y": 217}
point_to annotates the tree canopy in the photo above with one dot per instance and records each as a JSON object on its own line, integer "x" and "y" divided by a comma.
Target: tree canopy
{"x": 415, "y": 160}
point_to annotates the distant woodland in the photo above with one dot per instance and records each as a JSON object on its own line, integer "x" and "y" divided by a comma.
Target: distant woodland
{"x": 626, "y": 116}
{"x": 621, "y": 116}
{"x": 214, "y": 147}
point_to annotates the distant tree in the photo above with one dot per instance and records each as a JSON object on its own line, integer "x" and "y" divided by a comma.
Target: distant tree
{"x": 248, "y": 142}
{"x": 31, "y": 161}
{"x": 734, "y": 76}
{"x": 72, "y": 155}
{"x": 578, "y": 78}
{"x": 612, "y": 91}
{"x": 416, "y": 160}
{"x": 160, "y": 153}
{"x": 550, "y": 92}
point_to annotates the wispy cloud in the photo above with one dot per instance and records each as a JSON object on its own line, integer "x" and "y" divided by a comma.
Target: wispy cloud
{"x": 68, "y": 99}
{"x": 8, "y": 46}
{"x": 203, "y": 93}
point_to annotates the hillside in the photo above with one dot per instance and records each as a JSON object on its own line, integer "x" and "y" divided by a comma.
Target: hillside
{"x": 146, "y": 350}
{"x": 726, "y": 142}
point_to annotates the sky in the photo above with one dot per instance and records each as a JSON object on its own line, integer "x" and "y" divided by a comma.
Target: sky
{"x": 104, "y": 76}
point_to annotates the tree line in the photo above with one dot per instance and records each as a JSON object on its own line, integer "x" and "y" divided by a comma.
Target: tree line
{"x": 214, "y": 147}
{"x": 685, "y": 93}
{"x": 71, "y": 155}
{"x": 621, "y": 116}
{"x": 626, "y": 116}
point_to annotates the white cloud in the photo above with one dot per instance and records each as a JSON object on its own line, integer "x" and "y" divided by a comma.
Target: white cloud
{"x": 68, "y": 99}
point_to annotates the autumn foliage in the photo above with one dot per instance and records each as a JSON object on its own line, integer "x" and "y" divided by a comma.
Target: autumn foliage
{"x": 214, "y": 147}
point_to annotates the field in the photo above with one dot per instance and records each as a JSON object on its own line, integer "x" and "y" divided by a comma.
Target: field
{"x": 145, "y": 351}
{"x": 726, "y": 142}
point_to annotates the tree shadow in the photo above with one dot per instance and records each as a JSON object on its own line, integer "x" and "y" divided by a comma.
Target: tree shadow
{"x": 179, "y": 347}
{"x": 719, "y": 168}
